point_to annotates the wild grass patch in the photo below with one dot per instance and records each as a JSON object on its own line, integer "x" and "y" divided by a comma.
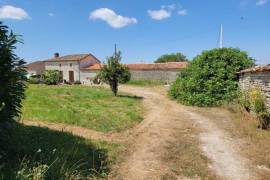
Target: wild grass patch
{"x": 40, "y": 153}
{"x": 93, "y": 108}
{"x": 146, "y": 83}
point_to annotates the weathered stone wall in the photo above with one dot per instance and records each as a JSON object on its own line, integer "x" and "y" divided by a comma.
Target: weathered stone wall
{"x": 154, "y": 75}
{"x": 256, "y": 79}
{"x": 65, "y": 66}
{"x": 158, "y": 75}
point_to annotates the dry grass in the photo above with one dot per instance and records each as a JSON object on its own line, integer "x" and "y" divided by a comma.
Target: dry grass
{"x": 254, "y": 143}
{"x": 185, "y": 157}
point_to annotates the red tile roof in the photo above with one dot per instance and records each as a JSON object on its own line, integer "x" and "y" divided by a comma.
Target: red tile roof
{"x": 35, "y": 66}
{"x": 259, "y": 68}
{"x": 156, "y": 66}
{"x": 74, "y": 57}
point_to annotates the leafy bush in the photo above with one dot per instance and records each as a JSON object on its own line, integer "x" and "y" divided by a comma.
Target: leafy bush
{"x": 51, "y": 77}
{"x": 258, "y": 106}
{"x": 34, "y": 80}
{"x": 211, "y": 78}
{"x": 174, "y": 57}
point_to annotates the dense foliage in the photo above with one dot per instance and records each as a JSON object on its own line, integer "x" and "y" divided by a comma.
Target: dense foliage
{"x": 254, "y": 100}
{"x": 114, "y": 72}
{"x": 51, "y": 77}
{"x": 12, "y": 76}
{"x": 211, "y": 78}
{"x": 174, "y": 57}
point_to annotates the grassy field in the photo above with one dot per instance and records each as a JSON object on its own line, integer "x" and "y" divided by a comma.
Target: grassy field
{"x": 145, "y": 83}
{"x": 40, "y": 153}
{"x": 93, "y": 108}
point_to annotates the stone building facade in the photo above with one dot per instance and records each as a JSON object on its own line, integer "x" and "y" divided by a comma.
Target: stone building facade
{"x": 258, "y": 76}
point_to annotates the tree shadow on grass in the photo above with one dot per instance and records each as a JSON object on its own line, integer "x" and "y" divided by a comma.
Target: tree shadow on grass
{"x": 67, "y": 156}
{"x": 130, "y": 96}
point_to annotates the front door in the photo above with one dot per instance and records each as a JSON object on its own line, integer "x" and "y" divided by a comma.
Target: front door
{"x": 61, "y": 76}
{"x": 71, "y": 76}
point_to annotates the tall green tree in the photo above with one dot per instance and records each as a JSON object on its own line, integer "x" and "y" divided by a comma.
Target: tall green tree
{"x": 211, "y": 78}
{"x": 12, "y": 76}
{"x": 174, "y": 57}
{"x": 113, "y": 72}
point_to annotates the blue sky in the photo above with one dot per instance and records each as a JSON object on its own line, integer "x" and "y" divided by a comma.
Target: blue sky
{"x": 143, "y": 30}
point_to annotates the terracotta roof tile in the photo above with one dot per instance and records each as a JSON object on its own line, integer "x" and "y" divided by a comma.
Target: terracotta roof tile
{"x": 74, "y": 57}
{"x": 35, "y": 66}
{"x": 259, "y": 68}
{"x": 157, "y": 66}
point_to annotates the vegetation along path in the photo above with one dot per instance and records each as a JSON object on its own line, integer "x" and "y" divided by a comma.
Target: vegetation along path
{"x": 172, "y": 142}
{"x": 152, "y": 140}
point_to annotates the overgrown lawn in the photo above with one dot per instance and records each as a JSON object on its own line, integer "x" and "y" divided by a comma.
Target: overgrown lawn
{"x": 89, "y": 107}
{"x": 40, "y": 153}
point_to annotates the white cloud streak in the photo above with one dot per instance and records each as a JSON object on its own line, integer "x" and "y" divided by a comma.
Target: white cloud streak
{"x": 111, "y": 18}
{"x": 182, "y": 12}
{"x": 261, "y": 2}
{"x": 11, "y": 12}
{"x": 159, "y": 14}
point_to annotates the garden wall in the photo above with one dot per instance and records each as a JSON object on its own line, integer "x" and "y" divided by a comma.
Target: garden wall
{"x": 258, "y": 76}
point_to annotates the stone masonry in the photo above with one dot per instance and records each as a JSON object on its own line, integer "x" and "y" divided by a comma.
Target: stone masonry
{"x": 258, "y": 76}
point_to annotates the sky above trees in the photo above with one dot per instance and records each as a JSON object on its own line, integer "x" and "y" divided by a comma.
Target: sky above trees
{"x": 143, "y": 30}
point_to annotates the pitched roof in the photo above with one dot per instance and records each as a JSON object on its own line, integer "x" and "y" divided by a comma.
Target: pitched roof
{"x": 259, "y": 68}
{"x": 73, "y": 57}
{"x": 156, "y": 66}
{"x": 35, "y": 66}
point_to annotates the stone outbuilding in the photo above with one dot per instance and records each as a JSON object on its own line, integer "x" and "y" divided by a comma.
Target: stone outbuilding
{"x": 258, "y": 76}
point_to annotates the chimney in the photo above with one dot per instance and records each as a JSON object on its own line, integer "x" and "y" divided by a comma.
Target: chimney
{"x": 56, "y": 55}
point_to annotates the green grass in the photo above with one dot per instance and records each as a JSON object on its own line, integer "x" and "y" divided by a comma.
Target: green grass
{"x": 146, "y": 83}
{"x": 93, "y": 108}
{"x": 27, "y": 151}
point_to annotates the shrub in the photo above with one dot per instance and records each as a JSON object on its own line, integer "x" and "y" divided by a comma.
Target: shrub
{"x": 51, "y": 77}
{"x": 210, "y": 79}
{"x": 34, "y": 80}
{"x": 258, "y": 106}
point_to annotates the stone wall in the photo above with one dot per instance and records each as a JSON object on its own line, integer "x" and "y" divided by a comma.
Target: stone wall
{"x": 256, "y": 79}
{"x": 156, "y": 75}
{"x": 168, "y": 76}
{"x": 64, "y": 66}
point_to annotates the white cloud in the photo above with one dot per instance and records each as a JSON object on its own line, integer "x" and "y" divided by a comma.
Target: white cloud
{"x": 51, "y": 14}
{"x": 182, "y": 12}
{"x": 11, "y": 12}
{"x": 110, "y": 17}
{"x": 261, "y": 2}
{"x": 159, "y": 14}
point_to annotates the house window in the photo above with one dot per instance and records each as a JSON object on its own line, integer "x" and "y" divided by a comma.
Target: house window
{"x": 70, "y": 64}
{"x": 59, "y": 65}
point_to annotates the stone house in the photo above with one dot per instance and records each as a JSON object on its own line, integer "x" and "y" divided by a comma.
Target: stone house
{"x": 84, "y": 67}
{"x": 70, "y": 66}
{"x": 258, "y": 76}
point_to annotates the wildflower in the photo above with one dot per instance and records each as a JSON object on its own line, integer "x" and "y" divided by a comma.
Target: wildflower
{"x": 39, "y": 150}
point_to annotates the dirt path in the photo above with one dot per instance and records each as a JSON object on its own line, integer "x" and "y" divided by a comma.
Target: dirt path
{"x": 148, "y": 142}
{"x": 162, "y": 121}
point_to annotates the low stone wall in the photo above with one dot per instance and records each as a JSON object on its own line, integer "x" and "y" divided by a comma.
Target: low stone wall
{"x": 256, "y": 79}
